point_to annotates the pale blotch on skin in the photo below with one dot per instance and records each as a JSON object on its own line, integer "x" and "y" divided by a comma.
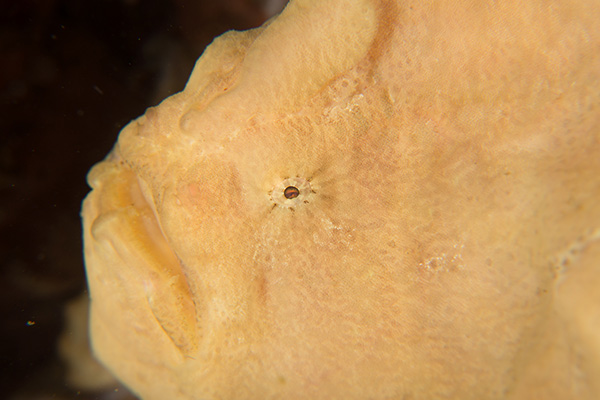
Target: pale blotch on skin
{"x": 366, "y": 199}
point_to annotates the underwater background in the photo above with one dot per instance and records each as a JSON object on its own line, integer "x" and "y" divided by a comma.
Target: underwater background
{"x": 73, "y": 73}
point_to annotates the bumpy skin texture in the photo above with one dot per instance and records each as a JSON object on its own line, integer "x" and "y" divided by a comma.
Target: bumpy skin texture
{"x": 446, "y": 241}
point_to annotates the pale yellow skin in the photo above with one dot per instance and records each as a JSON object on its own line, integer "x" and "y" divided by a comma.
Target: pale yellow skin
{"x": 450, "y": 246}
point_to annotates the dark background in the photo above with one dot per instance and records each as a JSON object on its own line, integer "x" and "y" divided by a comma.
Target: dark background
{"x": 72, "y": 74}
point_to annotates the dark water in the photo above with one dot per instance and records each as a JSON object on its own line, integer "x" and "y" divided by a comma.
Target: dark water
{"x": 73, "y": 73}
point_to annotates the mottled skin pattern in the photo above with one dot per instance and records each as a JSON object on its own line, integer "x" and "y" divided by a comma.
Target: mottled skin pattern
{"x": 449, "y": 247}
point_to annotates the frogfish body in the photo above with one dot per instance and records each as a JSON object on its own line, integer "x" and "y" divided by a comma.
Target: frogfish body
{"x": 361, "y": 199}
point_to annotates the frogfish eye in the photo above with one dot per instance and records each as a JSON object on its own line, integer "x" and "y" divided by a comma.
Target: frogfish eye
{"x": 291, "y": 192}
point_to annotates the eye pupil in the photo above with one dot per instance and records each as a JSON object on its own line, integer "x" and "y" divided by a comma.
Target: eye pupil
{"x": 291, "y": 192}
